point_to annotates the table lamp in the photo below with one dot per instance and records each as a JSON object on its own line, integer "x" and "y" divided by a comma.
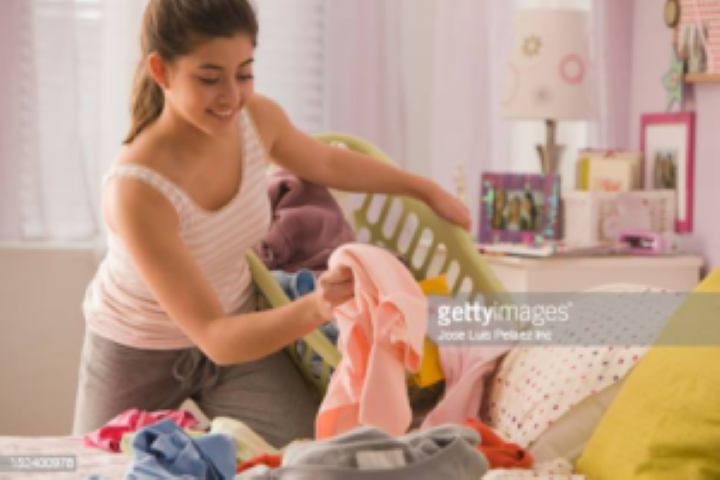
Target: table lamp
{"x": 548, "y": 73}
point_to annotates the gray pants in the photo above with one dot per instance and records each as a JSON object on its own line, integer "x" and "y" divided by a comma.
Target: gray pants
{"x": 269, "y": 395}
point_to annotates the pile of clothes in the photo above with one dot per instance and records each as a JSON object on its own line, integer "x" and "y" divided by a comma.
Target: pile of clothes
{"x": 361, "y": 428}
{"x": 167, "y": 444}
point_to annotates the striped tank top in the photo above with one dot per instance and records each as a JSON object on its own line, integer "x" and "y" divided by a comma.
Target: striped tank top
{"x": 118, "y": 304}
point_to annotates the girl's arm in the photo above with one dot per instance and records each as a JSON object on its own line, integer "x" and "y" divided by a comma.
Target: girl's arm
{"x": 343, "y": 169}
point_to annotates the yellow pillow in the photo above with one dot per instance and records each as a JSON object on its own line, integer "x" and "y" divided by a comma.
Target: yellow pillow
{"x": 430, "y": 371}
{"x": 665, "y": 422}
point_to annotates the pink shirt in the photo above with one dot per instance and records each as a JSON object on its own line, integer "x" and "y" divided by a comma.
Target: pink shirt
{"x": 381, "y": 335}
{"x": 119, "y": 305}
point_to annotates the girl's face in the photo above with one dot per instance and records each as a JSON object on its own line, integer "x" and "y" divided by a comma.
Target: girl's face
{"x": 211, "y": 85}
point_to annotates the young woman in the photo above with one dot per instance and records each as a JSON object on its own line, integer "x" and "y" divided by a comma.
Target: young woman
{"x": 170, "y": 313}
{"x": 528, "y": 218}
{"x": 499, "y": 207}
{"x": 512, "y": 222}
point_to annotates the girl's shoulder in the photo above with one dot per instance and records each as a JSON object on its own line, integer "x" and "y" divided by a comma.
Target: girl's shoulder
{"x": 119, "y": 197}
{"x": 151, "y": 154}
{"x": 269, "y": 118}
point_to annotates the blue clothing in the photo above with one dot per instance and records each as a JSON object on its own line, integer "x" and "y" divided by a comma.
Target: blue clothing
{"x": 164, "y": 450}
{"x": 330, "y": 330}
{"x": 297, "y": 284}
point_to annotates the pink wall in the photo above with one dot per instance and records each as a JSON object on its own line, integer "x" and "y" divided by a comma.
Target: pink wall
{"x": 651, "y": 57}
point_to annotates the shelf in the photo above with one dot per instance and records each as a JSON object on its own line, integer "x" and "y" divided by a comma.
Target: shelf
{"x": 702, "y": 78}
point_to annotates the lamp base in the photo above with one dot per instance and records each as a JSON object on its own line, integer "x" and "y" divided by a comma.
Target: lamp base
{"x": 550, "y": 152}
{"x": 550, "y": 158}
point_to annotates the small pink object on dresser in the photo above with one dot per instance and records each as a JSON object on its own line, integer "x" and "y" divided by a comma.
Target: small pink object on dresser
{"x": 649, "y": 243}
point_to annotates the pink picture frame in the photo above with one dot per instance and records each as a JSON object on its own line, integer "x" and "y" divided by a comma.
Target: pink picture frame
{"x": 667, "y": 141}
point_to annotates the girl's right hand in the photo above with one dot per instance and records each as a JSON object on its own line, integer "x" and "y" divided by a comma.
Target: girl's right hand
{"x": 335, "y": 287}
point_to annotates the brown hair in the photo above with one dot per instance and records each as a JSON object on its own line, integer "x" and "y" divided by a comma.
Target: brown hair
{"x": 172, "y": 28}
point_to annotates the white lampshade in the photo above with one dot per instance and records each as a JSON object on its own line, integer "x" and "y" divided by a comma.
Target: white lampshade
{"x": 548, "y": 73}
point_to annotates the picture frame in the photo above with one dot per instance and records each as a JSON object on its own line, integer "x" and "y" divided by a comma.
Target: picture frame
{"x": 519, "y": 208}
{"x": 696, "y": 35}
{"x": 668, "y": 145}
{"x": 609, "y": 170}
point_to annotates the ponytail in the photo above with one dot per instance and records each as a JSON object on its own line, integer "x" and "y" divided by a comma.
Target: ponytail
{"x": 146, "y": 104}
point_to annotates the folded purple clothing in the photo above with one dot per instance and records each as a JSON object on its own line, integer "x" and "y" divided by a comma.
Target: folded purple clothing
{"x": 307, "y": 226}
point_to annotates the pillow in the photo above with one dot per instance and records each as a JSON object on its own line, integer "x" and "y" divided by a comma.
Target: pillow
{"x": 665, "y": 423}
{"x": 536, "y": 386}
{"x": 569, "y": 436}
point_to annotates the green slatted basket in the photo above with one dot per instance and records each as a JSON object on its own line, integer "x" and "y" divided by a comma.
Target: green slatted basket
{"x": 429, "y": 244}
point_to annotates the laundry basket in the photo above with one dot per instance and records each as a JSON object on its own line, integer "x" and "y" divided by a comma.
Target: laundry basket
{"x": 430, "y": 245}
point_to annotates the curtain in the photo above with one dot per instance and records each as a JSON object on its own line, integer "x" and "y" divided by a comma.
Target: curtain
{"x": 422, "y": 79}
{"x": 469, "y": 136}
{"x": 66, "y": 102}
{"x": 50, "y": 125}
{"x": 612, "y": 33}
{"x": 363, "y": 71}
{"x": 49, "y": 98}
{"x": 289, "y": 62}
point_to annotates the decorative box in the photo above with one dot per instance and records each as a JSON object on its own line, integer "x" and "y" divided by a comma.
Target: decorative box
{"x": 596, "y": 217}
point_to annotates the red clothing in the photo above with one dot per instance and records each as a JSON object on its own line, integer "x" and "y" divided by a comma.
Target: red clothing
{"x": 109, "y": 436}
{"x": 499, "y": 453}
{"x": 272, "y": 461}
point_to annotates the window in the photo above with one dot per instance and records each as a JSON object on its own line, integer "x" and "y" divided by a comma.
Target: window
{"x": 77, "y": 59}
{"x": 289, "y": 59}
{"x": 61, "y": 41}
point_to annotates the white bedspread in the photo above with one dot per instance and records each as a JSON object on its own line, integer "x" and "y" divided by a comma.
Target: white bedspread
{"x": 89, "y": 461}
{"x": 99, "y": 464}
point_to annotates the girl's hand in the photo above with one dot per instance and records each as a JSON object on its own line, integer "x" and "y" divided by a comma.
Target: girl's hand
{"x": 449, "y": 207}
{"x": 335, "y": 287}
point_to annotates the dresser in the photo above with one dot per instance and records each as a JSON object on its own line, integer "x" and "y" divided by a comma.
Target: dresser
{"x": 573, "y": 274}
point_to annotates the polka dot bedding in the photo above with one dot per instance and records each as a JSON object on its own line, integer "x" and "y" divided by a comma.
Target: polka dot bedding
{"x": 536, "y": 385}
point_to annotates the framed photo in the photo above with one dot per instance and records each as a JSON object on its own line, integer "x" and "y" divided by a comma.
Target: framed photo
{"x": 609, "y": 170}
{"x": 697, "y": 35}
{"x": 519, "y": 208}
{"x": 667, "y": 142}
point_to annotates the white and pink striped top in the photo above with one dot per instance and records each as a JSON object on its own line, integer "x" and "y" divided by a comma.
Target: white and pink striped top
{"x": 118, "y": 304}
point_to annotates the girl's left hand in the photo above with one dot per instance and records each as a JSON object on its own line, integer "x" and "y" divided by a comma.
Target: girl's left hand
{"x": 449, "y": 208}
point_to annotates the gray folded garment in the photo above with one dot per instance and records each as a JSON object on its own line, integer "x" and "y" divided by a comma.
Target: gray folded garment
{"x": 444, "y": 452}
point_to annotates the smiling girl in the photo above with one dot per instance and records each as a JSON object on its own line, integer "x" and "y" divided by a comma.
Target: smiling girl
{"x": 170, "y": 312}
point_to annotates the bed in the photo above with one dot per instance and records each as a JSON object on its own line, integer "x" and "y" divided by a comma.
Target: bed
{"x": 89, "y": 462}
